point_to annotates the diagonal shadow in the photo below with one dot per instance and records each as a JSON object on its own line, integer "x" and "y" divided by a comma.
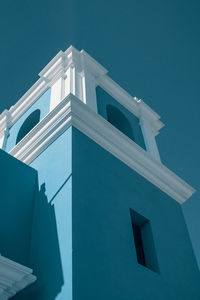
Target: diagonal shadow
{"x": 54, "y": 196}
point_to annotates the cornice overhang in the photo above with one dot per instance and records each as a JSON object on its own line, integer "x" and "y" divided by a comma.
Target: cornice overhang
{"x": 13, "y": 278}
{"x": 73, "y": 112}
{"x": 57, "y": 68}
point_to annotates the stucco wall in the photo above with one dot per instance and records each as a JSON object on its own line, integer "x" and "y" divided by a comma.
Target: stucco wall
{"x": 104, "y": 257}
{"x": 18, "y": 187}
{"x": 82, "y": 244}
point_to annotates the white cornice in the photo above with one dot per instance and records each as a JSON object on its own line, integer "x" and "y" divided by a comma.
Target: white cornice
{"x": 52, "y": 65}
{"x": 72, "y": 112}
{"x": 13, "y": 278}
{"x": 84, "y": 63}
{"x": 91, "y": 65}
{"x": 150, "y": 117}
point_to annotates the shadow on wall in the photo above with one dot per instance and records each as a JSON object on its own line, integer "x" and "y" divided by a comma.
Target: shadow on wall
{"x": 45, "y": 255}
{"x": 30, "y": 122}
{"x": 117, "y": 119}
{"x": 18, "y": 183}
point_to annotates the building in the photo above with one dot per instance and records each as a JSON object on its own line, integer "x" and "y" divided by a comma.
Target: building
{"x": 95, "y": 213}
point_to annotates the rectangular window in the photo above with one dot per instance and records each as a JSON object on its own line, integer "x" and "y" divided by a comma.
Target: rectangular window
{"x": 144, "y": 243}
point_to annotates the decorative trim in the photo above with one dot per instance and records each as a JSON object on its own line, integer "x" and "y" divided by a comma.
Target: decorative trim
{"x": 27, "y": 100}
{"x": 13, "y": 278}
{"x": 4, "y": 121}
{"x": 89, "y": 64}
{"x": 58, "y": 66}
{"x": 44, "y": 133}
{"x": 73, "y": 112}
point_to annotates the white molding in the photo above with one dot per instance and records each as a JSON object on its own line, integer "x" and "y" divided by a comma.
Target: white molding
{"x": 4, "y": 120}
{"x": 44, "y": 133}
{"x": 13, "y": 278}
{"x": 149, "y": 138}
{"x": 73, "y": 112}
{"x": 89, "y": 90}
{"x": 150, "y": 117}
{"x": 4, "y": 128}
{"x": 90, "y": 65}
{"x": 27, "y": 100}
{"x": 84, "y": 63}
{"x": 56, "y": 93}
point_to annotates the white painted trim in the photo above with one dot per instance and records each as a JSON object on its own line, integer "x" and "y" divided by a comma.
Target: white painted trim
{"x": 13, "y": 278}
{"x": 73, "y": 112}
{"x": 149, "y": 139}
{"x": 4, "y": 128}
{"x": 27, "y": 100}
{"x": 56, "y": 93}
{"x": 44, "y": 133}
{"x": 89, "y": 90}
{"x": 150, "y": 117}
{"x": 83, "y": 62}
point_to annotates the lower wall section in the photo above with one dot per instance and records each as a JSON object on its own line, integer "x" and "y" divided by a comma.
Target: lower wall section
{"x": 86, "y": 234}
{"x": 51, "y": 241}
{"x": 105, "y": 264}
{"x": 18, "y": 187}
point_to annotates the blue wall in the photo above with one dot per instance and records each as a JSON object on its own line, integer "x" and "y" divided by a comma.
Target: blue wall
{"x": 151, "y": 48}
{"x": 91, "y": 215}
{"x": 42, "y": 103}
{"x": 104, "y": 257}
{"x": 51, "y": 247}
{"x": 18, "y": 187}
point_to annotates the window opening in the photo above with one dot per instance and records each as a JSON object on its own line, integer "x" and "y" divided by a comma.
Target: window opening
{"x": 144, "y": 243}
{"x": 28, "y": 124}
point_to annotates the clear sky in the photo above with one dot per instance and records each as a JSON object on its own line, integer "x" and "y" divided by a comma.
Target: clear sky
{"x": 151, "y": 48}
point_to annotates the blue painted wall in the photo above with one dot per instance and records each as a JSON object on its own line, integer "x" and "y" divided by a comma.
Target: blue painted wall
{"x": 104, "y": 257}
{"x": 42, "y": 103}
{"x": 51, "y": 247}
{"x": 151, "y": 48}
{"x": 18, "y": 187}
{"x": 91, "y": 215}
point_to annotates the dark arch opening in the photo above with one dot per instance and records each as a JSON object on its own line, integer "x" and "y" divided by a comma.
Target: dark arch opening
{"x": 28, "y": 124}
{"x": 117, "y": 119}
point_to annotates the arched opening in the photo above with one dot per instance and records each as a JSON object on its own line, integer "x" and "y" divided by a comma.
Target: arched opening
{"x": 117, "y": 119}
{"x": 28, "y": 124}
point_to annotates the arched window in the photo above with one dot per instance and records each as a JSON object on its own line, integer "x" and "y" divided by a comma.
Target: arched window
{"x": 28, "y": 124}
{"x": 117, "y": 119}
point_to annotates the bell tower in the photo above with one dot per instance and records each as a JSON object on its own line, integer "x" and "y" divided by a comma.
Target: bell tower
{"x": 107, "y": 220}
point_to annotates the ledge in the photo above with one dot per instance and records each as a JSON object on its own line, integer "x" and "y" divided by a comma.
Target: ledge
{"x": 13, "y": 278}
{"x": 73, "y": 112}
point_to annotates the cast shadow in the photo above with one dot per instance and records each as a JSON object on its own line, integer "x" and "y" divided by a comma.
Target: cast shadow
{"x": 45, "y": 255}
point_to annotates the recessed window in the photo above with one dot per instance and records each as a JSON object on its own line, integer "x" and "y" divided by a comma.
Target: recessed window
{"x": 143, "y": 240}
{"x": 28, "y": 124}
{"x": 117, "y": 119}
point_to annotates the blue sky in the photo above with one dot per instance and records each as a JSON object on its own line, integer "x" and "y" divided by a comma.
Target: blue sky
{"x": 151, "y": 48}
